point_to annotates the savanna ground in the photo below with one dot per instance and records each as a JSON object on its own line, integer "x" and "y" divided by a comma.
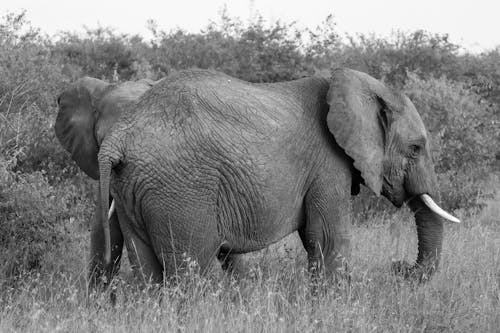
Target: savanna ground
{"x": 463, "y": 296}
{"x": 46, "y": 203}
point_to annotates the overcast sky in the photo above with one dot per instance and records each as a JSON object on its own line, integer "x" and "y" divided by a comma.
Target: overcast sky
{"x": 472, "y": 24}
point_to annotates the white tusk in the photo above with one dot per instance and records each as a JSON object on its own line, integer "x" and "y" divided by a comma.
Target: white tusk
{"x": 436, "y": 209}
{"x": 111, "y": 209}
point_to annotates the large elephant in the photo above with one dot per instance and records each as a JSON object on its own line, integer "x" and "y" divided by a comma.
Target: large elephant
{"x": 203, "y": 165}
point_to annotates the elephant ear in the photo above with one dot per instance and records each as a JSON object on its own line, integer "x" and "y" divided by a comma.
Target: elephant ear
{"x": 360, "y": 114}
{"x": 75, "y": 122}
{"x": 87, "y": 111}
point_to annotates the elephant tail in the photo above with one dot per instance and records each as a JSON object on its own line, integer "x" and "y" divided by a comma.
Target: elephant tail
{"x": 106, "y": 164}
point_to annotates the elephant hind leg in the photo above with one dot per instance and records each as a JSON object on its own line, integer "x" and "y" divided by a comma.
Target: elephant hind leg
{"x": 144, "y": 262}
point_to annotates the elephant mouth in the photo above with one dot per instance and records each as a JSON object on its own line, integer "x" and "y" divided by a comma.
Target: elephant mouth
{"x": 393, "y": 194}
{"x": 434, "y": 207}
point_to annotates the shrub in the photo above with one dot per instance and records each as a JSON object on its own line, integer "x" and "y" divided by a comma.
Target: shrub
{"x": 253, "y": 52}
{"x": 390, "y": 59}
{"x": 37, "y": 219}
{"x": 30, "y": 79}
{"x": 100, "y": 53}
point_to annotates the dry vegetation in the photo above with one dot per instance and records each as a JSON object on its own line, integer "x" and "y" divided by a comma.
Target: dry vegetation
{"x": 462, "y": 297}
{"x": 45, "y": 203}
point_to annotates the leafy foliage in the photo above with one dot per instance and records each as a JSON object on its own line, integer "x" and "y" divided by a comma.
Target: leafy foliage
{"x": 30, "y": 79}
{"x": 100, "y": 53}
{"x": 252, "y": 52}
{"x": 391, "y": 59}
{"x": 36, "y": 219}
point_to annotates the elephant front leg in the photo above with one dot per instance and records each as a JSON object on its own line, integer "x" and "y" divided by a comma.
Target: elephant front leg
{"x": 326, "y": 234}
{"x": 147, "y": 268}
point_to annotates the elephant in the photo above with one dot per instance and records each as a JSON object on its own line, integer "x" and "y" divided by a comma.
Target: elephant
{"x": 202, "y": 165}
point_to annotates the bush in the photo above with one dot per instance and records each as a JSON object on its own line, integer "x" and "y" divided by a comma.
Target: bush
{"x": 390, "y": 59}
{"x": 252, "y": 52}
{"x": 482, "y": 74}
{"x": 101, "y": 53}
{"x": 37, "y": 219}
{"x": 30, "y": 79}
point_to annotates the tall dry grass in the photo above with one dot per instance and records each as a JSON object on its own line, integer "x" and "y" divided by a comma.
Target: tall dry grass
{"x": 274, "y": 296}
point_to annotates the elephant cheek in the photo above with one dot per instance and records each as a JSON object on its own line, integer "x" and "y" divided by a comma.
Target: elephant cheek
{"x": 393, "y": 182}
{"x": 421, "y": 179}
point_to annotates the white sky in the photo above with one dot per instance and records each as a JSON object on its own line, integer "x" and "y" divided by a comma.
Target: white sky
{"x": 472, "y": 24}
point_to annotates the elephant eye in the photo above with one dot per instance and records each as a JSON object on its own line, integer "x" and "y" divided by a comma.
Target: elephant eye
{"x": 415, "y": 149}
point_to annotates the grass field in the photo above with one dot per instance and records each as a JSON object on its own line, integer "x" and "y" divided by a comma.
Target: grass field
{"x": 274, "y": 295}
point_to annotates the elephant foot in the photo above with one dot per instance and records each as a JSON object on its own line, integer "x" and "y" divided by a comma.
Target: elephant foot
{"x": 420, "y": 273}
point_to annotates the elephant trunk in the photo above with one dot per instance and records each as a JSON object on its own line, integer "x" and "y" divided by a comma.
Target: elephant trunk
{"x": 420, "y": 184}
{"x": 430, "y": 237}
{"x": 429, "y": 231}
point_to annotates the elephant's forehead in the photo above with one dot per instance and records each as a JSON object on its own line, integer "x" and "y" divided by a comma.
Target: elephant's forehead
{"x": 410, "y": 125}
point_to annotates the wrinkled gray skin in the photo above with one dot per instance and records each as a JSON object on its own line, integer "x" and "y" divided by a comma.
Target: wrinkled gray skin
{"x": 204, "y": 165}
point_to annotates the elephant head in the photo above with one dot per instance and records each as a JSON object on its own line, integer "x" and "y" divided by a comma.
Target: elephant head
{"x": 382, "y": 132}
{"x": 87, "y": 111}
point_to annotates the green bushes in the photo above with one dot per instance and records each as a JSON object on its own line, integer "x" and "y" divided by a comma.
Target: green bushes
{"x": 99, "y": 53}
{"x": 393, "y": 58}
{"x": 253, "y": 52}
{"x": 30, "y": 79}
{"x": 37, "y": 219}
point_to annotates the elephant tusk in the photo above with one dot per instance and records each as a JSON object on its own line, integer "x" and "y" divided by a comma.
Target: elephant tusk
{"x": 111, "y": 209}
{"x": 427, "y": 200}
